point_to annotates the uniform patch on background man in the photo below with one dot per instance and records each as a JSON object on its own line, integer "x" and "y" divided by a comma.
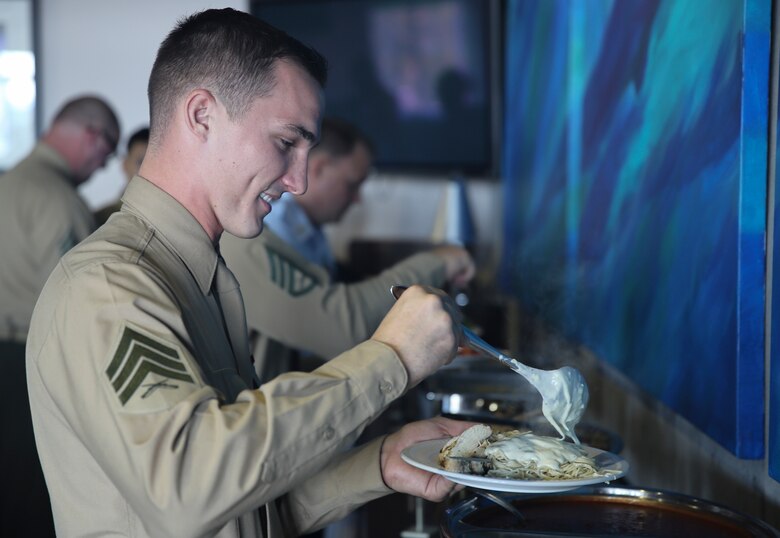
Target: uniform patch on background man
{"x": 288, "y": 275}
{"x": 148, "y": 374}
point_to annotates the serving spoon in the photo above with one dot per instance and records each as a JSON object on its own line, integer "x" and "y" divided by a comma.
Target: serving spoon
{"x": 564, "y": 390}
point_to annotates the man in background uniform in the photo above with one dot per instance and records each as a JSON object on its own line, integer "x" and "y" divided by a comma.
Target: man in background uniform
{"x": 147, "y": 411}
{"x": 136, "y": 149}
{"x": 294, "y": 301}
{"x": 41, "y": 217}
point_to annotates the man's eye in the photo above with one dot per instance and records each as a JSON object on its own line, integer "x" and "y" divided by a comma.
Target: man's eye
{"x": 286, "y": 144}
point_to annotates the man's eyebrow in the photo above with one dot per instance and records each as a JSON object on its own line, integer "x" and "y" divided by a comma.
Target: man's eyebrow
{"x": 302, "y": 132}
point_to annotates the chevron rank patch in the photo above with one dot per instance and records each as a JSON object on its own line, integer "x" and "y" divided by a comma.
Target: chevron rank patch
{"x": 148, "y": 374}
{"x": 288, "y": 275}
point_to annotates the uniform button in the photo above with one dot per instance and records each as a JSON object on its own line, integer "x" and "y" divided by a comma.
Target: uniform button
{"x": 329, "y": 433}
{"x": 385, "y": 387}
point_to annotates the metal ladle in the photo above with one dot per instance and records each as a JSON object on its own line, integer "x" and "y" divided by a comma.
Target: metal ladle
{"x": 564, "y": 390}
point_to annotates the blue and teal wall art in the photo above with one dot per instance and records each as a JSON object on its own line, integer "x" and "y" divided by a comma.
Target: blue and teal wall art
{"x": 635, "y": 162}
{"x": 774, "y": 357}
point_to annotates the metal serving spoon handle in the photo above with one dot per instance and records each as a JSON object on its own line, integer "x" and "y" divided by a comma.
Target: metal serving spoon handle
{"x": 475, "y": 342}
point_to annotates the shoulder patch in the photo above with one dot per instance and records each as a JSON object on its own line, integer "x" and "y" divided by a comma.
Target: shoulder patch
{"x": 148, "y": 374}
{"x": 288, "y": 275}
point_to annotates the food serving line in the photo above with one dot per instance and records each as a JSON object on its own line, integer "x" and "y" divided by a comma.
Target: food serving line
{"x": 476, "y": 387}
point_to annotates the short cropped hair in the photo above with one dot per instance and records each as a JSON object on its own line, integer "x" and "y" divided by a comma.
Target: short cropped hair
{"x": 339, "y": 138}
{"x": 88, "y": 110}
{"x": 227, "y": 52}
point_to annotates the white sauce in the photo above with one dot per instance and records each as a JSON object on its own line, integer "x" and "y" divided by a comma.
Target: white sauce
{"x": 564, "y": 395}
{"x": 569, "y": 405}
{"x": 544, "y": 451}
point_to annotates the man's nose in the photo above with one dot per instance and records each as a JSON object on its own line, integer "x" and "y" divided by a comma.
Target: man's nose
{"x": 295, "y": 180}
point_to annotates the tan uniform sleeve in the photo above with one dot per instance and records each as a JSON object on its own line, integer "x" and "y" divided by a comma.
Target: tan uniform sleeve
{"x": 293, "y": 301}
{"x": 347, "y": 483}
{"x": 186, "y": 462}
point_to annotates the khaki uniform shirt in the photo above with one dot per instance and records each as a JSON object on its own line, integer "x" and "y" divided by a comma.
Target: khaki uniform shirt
{"x": 142, "y": 405}
{"x": 292, "y": 303}
{"x": 41, "y": 217}
{"x": 102, "y": 214}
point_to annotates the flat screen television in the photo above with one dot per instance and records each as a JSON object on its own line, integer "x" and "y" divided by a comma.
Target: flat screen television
{"x": 418, "y": 76}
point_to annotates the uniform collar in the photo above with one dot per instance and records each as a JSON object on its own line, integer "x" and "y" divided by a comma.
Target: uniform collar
{"x": 43, "y": 152}
{"x": 175, "y": 226}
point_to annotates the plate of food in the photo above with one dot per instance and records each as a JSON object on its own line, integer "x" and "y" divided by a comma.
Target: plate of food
{"x": 515, "y": 461}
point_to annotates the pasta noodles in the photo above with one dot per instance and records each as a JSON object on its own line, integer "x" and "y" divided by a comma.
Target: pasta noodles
{"x": 524, "y": 456}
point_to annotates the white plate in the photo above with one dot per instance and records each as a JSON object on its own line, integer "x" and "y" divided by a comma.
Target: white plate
{"x": 424, "y": 456}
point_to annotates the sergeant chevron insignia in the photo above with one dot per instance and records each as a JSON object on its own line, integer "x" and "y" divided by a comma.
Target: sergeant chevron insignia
{"x": 148, "y": 374}
{"x": 288, "y": 275}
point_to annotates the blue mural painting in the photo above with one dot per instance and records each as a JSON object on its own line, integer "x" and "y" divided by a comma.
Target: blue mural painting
{"x": 635, "y": 186}
{"x": 774, "y": 366}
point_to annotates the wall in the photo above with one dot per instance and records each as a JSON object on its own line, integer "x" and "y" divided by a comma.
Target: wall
{"x": 17, "y": 81}
{"x": 646, "y": 205}
{"x": 94, "y": 46}
{"x": 636, "y": 152}
{"x": 773, "y": 266}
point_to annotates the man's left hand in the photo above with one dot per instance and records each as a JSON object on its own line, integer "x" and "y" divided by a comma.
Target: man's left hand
{"x": 402, "y": 477}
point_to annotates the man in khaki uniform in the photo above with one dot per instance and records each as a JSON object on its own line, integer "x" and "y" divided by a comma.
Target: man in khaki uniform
{"x": 293, "y": 299}
{"x": 146, "y": 409}
{"x": 41, "y": 213}
{"x": 41, "y": 217}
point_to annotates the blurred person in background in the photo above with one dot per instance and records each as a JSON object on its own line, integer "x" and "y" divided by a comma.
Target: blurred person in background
{"x": 42, "y": 216}
{"x": 288, "y": 274}
{"x": 136, "y": 149}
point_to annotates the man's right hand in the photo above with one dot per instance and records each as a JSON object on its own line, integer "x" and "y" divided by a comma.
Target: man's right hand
{"x": 423, "y": 328}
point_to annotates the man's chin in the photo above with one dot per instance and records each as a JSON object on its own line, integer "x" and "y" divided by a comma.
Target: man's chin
{"x": 257, "y": 231}
{"x": 247, "y": 232}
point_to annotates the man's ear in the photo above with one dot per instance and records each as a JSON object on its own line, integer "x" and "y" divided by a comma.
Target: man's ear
{"x": 200, "y": 106}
